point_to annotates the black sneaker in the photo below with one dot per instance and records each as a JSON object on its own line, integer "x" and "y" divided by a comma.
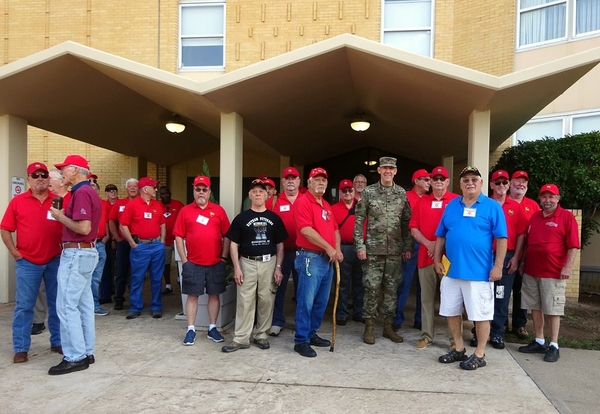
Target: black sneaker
{"x": 66, "y": 367}
{"x": 118, "y": 306}
{"x": 340, "y": 322}
{"x": 552, "y": 354}
{"x": 37, "y": 328}
{"x": 305, "y": 350}
{"x": 473, "y": 362}
{"x": 454, "y": 356}
{"x": 318, "y": 341}
{"x": 167, "y": 291}
{"x": 497, "y": 343}
{"x": 533, "y": 348}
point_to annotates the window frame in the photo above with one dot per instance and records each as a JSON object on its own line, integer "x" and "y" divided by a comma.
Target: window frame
{"x": 566, "y": 118}
{"x": 193, "y": 4}
{"x": 431, "y": 28}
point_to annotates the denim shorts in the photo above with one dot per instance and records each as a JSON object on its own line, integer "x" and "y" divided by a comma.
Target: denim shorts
{"x": 195, "y": 278}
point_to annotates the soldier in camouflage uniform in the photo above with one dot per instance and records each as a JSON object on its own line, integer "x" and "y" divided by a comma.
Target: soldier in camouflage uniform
{"x": 385, "y": 207}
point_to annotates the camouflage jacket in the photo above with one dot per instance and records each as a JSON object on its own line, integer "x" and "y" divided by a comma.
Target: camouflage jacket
{"x": 387, "y": 221}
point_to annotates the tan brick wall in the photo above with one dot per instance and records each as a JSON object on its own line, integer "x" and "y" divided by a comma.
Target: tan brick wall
{"x": 572, "y": 292}
{"x": 497, "y": 153}
{"x": 443, "y": 43}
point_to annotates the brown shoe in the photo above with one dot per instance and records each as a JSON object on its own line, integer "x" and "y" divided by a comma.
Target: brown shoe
{"x": 57, "y": 349}
{"x": 369, "y": 334}
{"x": 423, "y": 343}
{"x": 20, "y": 357}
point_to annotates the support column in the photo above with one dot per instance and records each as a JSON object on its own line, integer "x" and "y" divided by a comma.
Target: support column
{"x": 231, "y": 159}
{"x": 138, "y": 167}
{"x": 479, "y": 142}
{"x": 448, "y": 163}
{"x": 13, "y": 163}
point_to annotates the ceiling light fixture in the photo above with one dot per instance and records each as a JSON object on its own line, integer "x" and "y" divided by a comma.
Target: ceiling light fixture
{"x": 370, "y": 163}
{"x": 175, "y": 125}
{"x": 360, "y": 124}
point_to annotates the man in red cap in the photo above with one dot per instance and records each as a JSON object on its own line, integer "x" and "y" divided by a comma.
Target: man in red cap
{"x": 318, "y": 240}
{"x": 203, "y": 225}
{"x": 351, "y": 268}
{"x": 74, "y": 300}
{"x": 143, "y": 226}
{"x": 550, "y": 250}
{"x": 518, "y": 189}
{"x": 284, "y": 208}
{"x": 37, "y": 258}
{"x": 171, "y": 209}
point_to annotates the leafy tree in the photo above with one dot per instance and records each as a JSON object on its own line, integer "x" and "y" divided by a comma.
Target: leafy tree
{"x": 572, "y": 163}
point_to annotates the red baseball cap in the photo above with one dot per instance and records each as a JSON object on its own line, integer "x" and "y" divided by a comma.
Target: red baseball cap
{"x": 270, "y": 182}
{"x": 317, "y": 171}
{"x": 346, "y": 184}
{"x": 439, "y": 171}
{"x": 202, "y": 180}
{"x": 519, "y": 174}
{"x": 147, "y": 181}
{"x": 36, "y": 166}
{"x": 290, "y": 171}
{"x": 76, "y": 160}
{"x": 419, "y": 174}
{"x": 550, "y": 188}
{"x": 92, "y": 175}
{"x": 499, "y": 173}
{"x": 263, "y": 177}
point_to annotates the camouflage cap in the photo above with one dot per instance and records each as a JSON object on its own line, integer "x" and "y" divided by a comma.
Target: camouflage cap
{"x": 469, "y": 169}
{"x": 387, "y": 162}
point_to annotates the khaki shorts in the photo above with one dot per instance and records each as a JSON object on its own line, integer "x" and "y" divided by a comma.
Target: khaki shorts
{"x": 545, "y": 294}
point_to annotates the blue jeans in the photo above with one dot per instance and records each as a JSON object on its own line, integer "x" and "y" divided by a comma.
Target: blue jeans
{"x": 75, "y": 304}
{"x": 350, "y": 278}
{"x": 409, "y": 268}
{"x": 28, "y": 280}
{"x": 314, "y": 284}
{"x": 501, "y": 304}
{"x": 287, "y": 266}
{"x": 97, "y": 275}
{"x": 123, "y": 267}
{"x": 144, "y": 257}
{"x": 107, "y": 283}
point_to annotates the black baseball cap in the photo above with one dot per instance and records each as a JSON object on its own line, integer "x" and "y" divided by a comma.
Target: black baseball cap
{"x": 111, "y": 187}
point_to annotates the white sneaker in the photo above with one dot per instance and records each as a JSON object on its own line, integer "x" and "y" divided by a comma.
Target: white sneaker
{"x": 275, "y": 330}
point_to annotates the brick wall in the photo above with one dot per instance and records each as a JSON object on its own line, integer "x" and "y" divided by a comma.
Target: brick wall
{"x": 573, "y": 282}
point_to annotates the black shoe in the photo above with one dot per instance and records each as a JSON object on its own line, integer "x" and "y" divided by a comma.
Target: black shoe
{"x": 157, "y": 314}
{"x": 341, "y": 322}
{"x": 534, "y": 348}
{"x": 474, "y": 341}
{"x": 358, "y": 319}
{"x": 418, "y": 325}
{"x": 552, "y": 354}
{"x": 91, "y": 359}
{"x": 104, "y": 301}
{"x": 305, "y": 350}
{"x": 133, "y": 315}
{"x": 396, "y": 326}
{"x": 37, "y": 328}
{"x": 497, "y": 343}
{"x": 66, "y": 367}
{"x": 118, "y": 306}
{"x": 473, "y": 362}
{"x": 167, "y": 291}
{"x": 454, "y": 356}
{"x": 320, "y": 342}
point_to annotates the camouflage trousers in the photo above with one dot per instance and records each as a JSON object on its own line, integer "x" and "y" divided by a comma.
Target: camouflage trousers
{"x": 381, "y": 277}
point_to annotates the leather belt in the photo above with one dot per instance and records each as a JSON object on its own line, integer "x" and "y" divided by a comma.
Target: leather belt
{"x": 318, "y": 253}
{"x": 255, "y": 258}
{"x": 148, "y": 241}
{"x": 347, "y": 244}
{"x": 75, "y": 245}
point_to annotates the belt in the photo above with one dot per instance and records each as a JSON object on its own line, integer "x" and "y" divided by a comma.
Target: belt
{"x": 347, "y": 244}
{"x": 148, "y": 241}
{"x": 318, "y": 253}
{"x": 75, "y": 245}
{"x": 255, "y": 258}
{"x": 99, "y": 239}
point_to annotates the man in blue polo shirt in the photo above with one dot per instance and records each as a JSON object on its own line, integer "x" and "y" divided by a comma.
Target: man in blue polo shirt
{"x": 466, "y": 232}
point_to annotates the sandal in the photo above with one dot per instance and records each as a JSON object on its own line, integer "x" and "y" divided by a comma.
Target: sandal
{"x": 473, "y": 362}
{"x": 453, "y": 356}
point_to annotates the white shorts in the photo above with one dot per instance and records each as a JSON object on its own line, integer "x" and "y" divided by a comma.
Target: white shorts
{"x": 478, "y": 298}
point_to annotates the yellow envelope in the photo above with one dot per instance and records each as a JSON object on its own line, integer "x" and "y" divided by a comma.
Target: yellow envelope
{"x": 446, "y": 264}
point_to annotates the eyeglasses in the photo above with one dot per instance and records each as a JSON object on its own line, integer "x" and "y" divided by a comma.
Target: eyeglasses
{"x": 469, "y": 180}
{"x": 439, "y": 178}
{"x": 201, "y": 189}
{"x": 36, "y": 175}
{"x": 426, "y": 179}
{"x": 110, "y": 190}
{"x": 360, "y": 182}
{"x": 347, "y": 191}
{"x": 501, "y": 182}
{"x": 93, "y": 180}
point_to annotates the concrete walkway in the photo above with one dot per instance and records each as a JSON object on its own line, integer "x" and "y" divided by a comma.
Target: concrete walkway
{"x": 142, "y": 366}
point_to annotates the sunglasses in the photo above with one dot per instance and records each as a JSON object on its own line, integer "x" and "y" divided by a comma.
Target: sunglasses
{"x": 426, "y": 179}
{"x": 201, "y": 189}
{"x": 469, "y": 180}
{"x": 501, "y": 182}
{"x": 36, "y": 175}
{"x": 93, "y": 180}
{"x": 438, "y": 179}
{"x": 347, "y": 190}
{"x": 258, "y": 181}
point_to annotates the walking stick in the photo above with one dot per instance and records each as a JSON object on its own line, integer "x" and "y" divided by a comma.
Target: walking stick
{"x": 337, "y": 295}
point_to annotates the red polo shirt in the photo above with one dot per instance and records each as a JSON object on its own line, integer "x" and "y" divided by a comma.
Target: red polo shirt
{"x": 340, "y": 212}
{"x": 38, "y": 234}
{"x": 413, "y": 198}
{"x": 117, "y": 210}
{"x": 143, "y": 219}
{"x": 529, "y": 207}
{"x": 516, "y": 222}
{"x": 102, "y": 225}
{"x": 548, "y": 240}
{"x": 285, "y": 210}
{"x": 170, "y": 213}
{"x": 203, "y": 230}
{"x": 309, "y": 213}
{"x": 426, "y": 216}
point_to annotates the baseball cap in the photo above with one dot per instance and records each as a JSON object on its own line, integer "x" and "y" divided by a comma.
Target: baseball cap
{"x": 346, "y": 184}
{"x": 550, "y": 188}
{"x": 36, "y": 166}
{"x": 520, "y": 174}
{"x": 317, "y": 171}
{"x": 419, "y": 174}
{"x": 92, "y": 175}
{"x": 270, "y": 182}
{"x": 147, "y": 181}
{"x": 440, "y": 171}
{"x": 469, "y": 169}
{"x": 263, "y": 177}
{"x": 202, "y": 180}
{"x": 111, "y": 187}
{"x": 290, "y": 171}
{"x": 76, "y": 160}
{"x": 258, "y": 183}
{"x": 499, "y": 173}
{"x": 387, "y": 162}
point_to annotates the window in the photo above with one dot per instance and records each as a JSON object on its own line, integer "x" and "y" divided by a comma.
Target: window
{"x": 549, "y": 21}
{"x": 202, "y": 31}
{"x": 557, "y": 126}
{"x": 407, "y": 25}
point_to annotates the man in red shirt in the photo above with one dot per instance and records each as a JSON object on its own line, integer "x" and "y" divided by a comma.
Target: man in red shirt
{"x": 351, "y": 268}
{"x": 171, "y": 209}
{"x": 550, "y": 250}
{"x": 107, "y": 284}
{"x": 143, "y": 226}
{"x": 37, "y": 258}
{"x": 284, "y": 208}
{"x": 203, "y": 225}
{"x": 318, "y": 241}
{"x": 518, "y": 189}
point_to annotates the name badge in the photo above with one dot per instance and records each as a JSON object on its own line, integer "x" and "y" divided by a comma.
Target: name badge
{"x": 436, "y": 204}
{"x": 266, "y": 257}
{"x": 469, "y": 212}
{"x": 324, "y": 215}
{"x": 167, "y": 214}
{"x": 49, "y": 216}
{"x": 284, "y": 208}
{"x": 147, "y": 215}
{"x": 202, "y": 220}
{"x": 121, "y": 209}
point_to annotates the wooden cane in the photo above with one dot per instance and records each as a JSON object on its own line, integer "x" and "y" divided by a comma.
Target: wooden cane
{"x": 337, "y": 295}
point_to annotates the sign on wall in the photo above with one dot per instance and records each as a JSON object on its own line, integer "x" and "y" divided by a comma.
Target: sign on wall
{"x": 18, "y": 186}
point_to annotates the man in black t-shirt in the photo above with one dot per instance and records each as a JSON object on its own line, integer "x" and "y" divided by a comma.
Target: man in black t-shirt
{"x": 257, "y": 237}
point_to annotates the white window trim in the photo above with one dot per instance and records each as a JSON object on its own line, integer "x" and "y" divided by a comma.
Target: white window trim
{"x": 565, "y": 117}
{"x": 431, "y": 29}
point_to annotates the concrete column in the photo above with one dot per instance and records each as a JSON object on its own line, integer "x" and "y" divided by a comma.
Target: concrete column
{"x": 479, "y": 142}
{"x": 178, "y": 181}
{"x": 448, "y": 163}
{"x": 231, "y": 159}
{"x": 138, "y": 167}
{"x": 13, "y": 163}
